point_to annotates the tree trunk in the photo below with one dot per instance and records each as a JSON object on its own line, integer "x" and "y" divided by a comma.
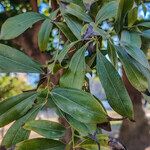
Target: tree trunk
{"x": 135, "y": 135}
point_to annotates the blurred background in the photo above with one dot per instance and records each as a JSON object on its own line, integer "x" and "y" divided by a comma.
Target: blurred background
{"x": 14, "y": 83}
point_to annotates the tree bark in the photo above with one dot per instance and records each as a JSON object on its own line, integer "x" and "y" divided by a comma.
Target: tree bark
{"x": 135, "y": 135}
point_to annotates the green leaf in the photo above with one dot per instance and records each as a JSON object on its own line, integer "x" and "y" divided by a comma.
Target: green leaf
{"x": 65, "y": 50}
{"x": 109, "y": 10}
{"x": 16, "y": 133}
{"x": 132, "y": 16}
{"x": 66, "y": 31}
{"x": 16, "y": 25}
{"x": 146, "y": 34}
{"x": 112, "y": 54}
{"x": 47, "y": 129}
{"x": 40, "y": 144}
{"x": 74, "y": 77}
{"x": 44, "y": 33}
{"x": 131, "y": 38}
{"x": 78, "y": 12}
{"x": 136, "y": 78}
{"x": 12, "y": 60}
{"x": 144, "y": 24}
{"x": 83, "y": 128}
{"x": 137, "y": 54}
{"x": 124, "y": 7}
{"x": 89, "y": 144}
{"x": 115, "y": 90}
{"x": 13, "y": 108}
{"x": 75, "y": 25}
{"x": 80, "y": 105}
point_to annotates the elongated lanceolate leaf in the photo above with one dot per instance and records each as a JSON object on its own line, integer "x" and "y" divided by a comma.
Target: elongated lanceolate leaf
{"x": 137, "y": 54}
{"x": 13, "y": 108}
{"x": 74, "y": 77}
{"x": 16, "y": 133}
{"x": 78, "y": 12}
{"x": 136, "y": 78}
{"x": 40, "y": 144}
{"x": 109, "y": 10}
{"x": 44, "y": 33}
{"x": 115, "y": 90}
{"x": 12, "y": 60}
{"x": 16, "y": 25}
{"x": 80, "y": 105}
{"x": 48, "y": 129}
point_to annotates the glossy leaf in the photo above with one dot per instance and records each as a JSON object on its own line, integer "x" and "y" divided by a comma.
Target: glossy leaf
{"x": 89, "y": 144}
{"x": 80, "y": 105}
{"x": 40, "y": 144}
{"x": 47, "y": 129}
{"x": 115, "y": 90}
{"x": 66, "y": 31}
{"x": 16, "y": 133}
{"x": 44, "y": 33}
{"x": 136, "y": 78}
{"x": 74, "y": 77}
{"x": 13, "y": 108}
{"x": 16, "y": 25}
{"x": 137, "y": 54}
{"x": 78, "y": 12}
{"x": 109, "y": 10}
{"x": 12, "y": 60}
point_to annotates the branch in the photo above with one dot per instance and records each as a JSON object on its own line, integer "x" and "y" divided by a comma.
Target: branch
{"x": 34, "y": 5}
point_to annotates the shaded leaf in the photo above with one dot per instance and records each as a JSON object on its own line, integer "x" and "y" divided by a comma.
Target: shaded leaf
{"x": 124, "y": 7}
{"x": 16, "y": 25}
{"x": 115, "y": 90}
{"x": 132, "y": 16}
{"x": 12, "y": 60}
{"x": 109, "y": 10}
{"x": 44, "y": 33}
{"x": 16, "y": 133}
{"x": 40, "y": 144}
{"x": 48, "y": 129}
{"x": 80, "y": 105}
{"x": 66, "y": 31}
{"x": 13, "y": 108}
{"x": 65, "y": 50}
{"x": 112, "y": 54}
{"x": 74, "y": 77}
{"x": 89, "y": 144}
